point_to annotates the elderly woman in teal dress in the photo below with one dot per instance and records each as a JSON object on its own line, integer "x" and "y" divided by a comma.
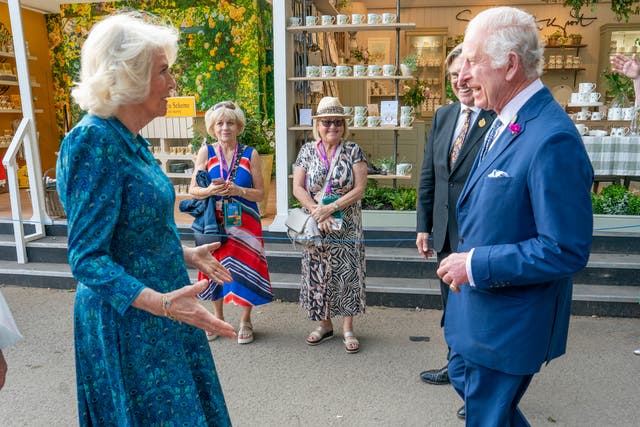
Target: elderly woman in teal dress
{"x": 142, "y": 357}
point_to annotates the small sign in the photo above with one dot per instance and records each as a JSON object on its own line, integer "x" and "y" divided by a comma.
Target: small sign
{"x": 305, "y": 116}
{"x": 389, "y": 113}
{"x": 181, "y": 106}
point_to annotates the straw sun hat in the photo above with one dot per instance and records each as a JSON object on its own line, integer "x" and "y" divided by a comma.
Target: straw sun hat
{"x": 330, "y": 107}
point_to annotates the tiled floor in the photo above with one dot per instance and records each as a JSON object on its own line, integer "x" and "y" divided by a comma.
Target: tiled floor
{"x": 181, "y": 218}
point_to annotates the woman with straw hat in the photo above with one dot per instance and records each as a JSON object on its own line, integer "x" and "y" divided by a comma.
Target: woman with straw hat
{"x": 329, "y": 180}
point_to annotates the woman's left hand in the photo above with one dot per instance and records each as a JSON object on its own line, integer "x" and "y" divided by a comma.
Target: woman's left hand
{"x": 202, "y": 259}
{"x": 184, "y": 307}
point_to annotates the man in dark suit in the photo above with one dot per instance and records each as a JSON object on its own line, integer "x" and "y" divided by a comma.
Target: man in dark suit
{"x": 455, "y": 137}
{"x": 524, "y": 222}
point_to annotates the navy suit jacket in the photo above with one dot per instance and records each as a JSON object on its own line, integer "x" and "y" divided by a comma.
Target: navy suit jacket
{"x": 526, "y": 209}
{"x": 440, "y": 185}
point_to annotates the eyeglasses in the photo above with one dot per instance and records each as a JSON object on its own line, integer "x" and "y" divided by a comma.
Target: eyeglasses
{"x": 337, "y": 123}
{"x": 226, "y": 104}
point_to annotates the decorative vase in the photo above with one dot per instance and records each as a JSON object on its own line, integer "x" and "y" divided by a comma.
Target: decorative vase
{"x": 405, "y": 70}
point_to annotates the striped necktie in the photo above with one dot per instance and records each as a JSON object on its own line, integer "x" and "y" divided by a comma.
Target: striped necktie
{"x": 490, "y": 137}
{"x": 459, "y": 141}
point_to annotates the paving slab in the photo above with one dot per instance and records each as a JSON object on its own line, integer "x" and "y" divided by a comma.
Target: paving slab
{"x": 280, "y": 381}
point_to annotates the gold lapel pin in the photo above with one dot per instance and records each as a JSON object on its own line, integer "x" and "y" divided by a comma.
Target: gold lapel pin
{"x": 482, "y": 122}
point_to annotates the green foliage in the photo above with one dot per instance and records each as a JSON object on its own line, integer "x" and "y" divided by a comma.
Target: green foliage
{"x": 259, "y": 134}
{"x": 388, "y": 198}
{"x": 620, "y": 87}
{"x": 384, "y": 164}
{"x": 414, "y": 95}
{"x": 411, "y": 61}
{"x": 616, "y": 200}
{"x": 622, "y": 8}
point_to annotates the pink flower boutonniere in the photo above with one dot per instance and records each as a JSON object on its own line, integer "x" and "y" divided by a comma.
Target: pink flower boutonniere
{"x": 515, "y": 128}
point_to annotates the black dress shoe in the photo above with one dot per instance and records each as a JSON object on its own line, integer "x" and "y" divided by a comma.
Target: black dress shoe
{"x": 461, "y": 413}
{"x": 436, "y": 376}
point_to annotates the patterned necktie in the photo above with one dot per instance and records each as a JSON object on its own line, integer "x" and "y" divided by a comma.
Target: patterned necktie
{"x": 490, "y": 137}
{"x": 457, "y": 144}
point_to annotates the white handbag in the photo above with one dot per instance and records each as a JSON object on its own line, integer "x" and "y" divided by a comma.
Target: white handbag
{"x": 302, "y": 229}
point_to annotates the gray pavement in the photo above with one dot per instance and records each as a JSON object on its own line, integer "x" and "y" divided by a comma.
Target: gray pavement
{"x": 280, "y": 381}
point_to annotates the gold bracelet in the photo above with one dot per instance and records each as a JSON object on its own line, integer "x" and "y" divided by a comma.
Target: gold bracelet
{"x": 166, "y": 306}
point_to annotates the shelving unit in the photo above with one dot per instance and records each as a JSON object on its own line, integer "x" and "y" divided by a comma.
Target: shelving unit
{"x": 301, "y": 36}
{"x": 615, "y": 38}
{"x": 170, "y": 137}
{"x": 564, "y": 68}
{"x": 9, "y": 105}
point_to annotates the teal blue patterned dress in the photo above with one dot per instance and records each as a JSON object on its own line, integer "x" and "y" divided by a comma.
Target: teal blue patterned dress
{"x": 132, "y": 368}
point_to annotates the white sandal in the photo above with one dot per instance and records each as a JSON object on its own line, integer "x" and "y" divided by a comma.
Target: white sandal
{"x": 246, "y": 330}
{"x": 350, "y": 341}
{"x": 319, "y": 335}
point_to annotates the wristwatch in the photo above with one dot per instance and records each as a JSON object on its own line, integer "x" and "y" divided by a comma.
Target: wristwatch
{"x": 335, "y": 206}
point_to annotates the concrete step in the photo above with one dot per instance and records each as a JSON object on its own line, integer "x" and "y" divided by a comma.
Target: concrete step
{"x": 397, "y": 276}
{"x": 598, "y": 300}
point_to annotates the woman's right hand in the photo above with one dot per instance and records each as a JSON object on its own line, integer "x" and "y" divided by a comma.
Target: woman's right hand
{"x": 184, "y": 307}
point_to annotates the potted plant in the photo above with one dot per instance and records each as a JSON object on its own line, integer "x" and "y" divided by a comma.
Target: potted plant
{"x": 260, "y": 134}
{"x": 555, "y": 38}
{"x": 575, "y": 39}
{"x": 409, "y": 65}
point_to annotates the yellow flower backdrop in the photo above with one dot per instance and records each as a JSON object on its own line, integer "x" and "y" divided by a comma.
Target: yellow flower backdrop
{"x": 225, "y": 50}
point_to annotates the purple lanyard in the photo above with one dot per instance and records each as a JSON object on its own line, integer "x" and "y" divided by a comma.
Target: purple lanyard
{"x": 322, "y": 153}
{"x": 223, "y": 163}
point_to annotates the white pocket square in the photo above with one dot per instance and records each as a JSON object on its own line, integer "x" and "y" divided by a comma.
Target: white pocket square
{"x": 498, "y": 174}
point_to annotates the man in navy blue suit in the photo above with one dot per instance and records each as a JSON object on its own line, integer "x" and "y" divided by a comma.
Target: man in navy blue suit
{"x": 525, "y": 225}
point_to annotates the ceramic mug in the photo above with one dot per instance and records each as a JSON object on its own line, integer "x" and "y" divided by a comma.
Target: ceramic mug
{"x": 357, "y": 18}
{"x": 373, "y": 121}
{"x": 295, "y": 21}
{"x": 311, "y": 20}
{"x": 360, "y": 110}
{"x": 596, "y": 115}
{"x": 403, "y": 169}
{"x": 349, "y": 121}
{"x": 594, "y": 97}
{"x": 343, "y": 70}
{"x": 328, "y": 20}
{"x": 583, "y": 115}
{"x": 407, "y": 110}
{"x": 313, "y": 71}
{"x": 582, "y": 129}
{"x": 406, "y": 121}
{"x": 623, "y": 131}
{"x": 388, "y": 18}
{"x": 584, "y": 97}
{"x": 359, "y": 70}
{"x": 586, "y": 87}
{"x": 388, "y": 70}
{"x": 628, "y": 113}
{"x": 575, "y": 98}
{"x": 348, "y": 110}
{"x": 342, "y": 19}
{"x": 374, "y": 70}
{"x": 614, "y": 113}
{"x": 328, "y": 71}
{"x": 597, "y": 132}
{"x": 373, "y": 18}
{"x": 359, "y": 121}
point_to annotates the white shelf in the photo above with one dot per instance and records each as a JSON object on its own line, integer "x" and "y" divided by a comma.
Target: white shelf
{"x": 178, "y": 175}
{"x": 350, "y": 27}
{"x": 15, "y": 83}
{"x": 382, "y": 176}
{"x": 310, "y": 79}
{"x": 586, "y": 104}
{"x": 167, "y": 156}
{"x": 12, "y": 55}
{"x": 354, "y": 128}
{"x": 16, "y": 111}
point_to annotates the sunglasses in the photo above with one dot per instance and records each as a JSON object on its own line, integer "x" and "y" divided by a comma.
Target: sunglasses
{"x": 337, "y": 123}
{"x": 226, "y": 104}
